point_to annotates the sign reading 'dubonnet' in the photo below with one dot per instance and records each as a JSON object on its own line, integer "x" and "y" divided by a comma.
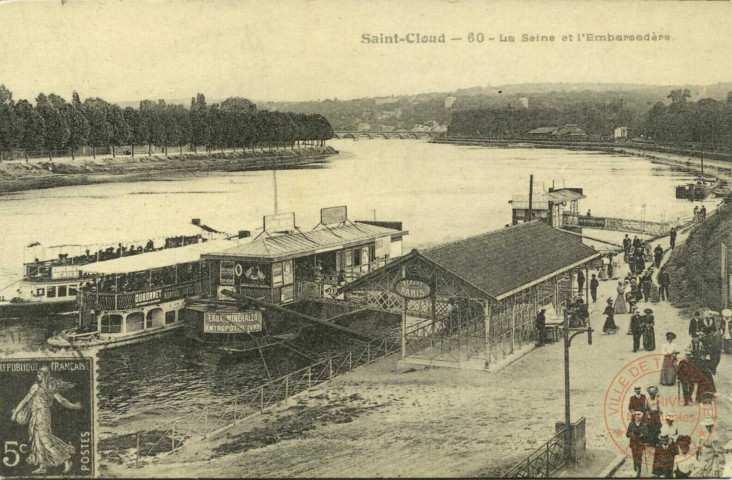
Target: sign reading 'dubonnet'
{"x": 331, "y": 215}
{"x": 233, "y": 322}
{"x": 413, "y": 288}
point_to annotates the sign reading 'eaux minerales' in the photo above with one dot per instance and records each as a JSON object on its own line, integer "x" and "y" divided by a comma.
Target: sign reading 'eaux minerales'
{"x": 413, "y": 288}
{"x": 233, "y": 322}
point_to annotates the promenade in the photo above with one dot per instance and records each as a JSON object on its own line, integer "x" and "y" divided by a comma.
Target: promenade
{"x": 378, "y": 421}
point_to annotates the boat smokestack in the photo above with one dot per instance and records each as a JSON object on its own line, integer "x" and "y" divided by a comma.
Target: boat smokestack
{"x": 196, "y": 221}
{"x": 531, "y": 197}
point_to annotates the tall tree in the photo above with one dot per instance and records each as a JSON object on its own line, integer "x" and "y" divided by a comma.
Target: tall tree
{"x": 137, "y": 128}
{"x": 78, "y": 127}
{"x": 200, "y": 126}
{"x": 100, "y": 130}
{"x": 55, "y": 131}
{"x": 121, "y": 131}
{"x": 28, "y": 127}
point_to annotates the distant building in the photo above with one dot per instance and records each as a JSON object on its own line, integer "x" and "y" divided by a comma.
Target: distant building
{"x": 523, "y": 102}
{"x": 449, "y": 101}
{"x": 566, "y": 131}
{"x": 620, "y": 132}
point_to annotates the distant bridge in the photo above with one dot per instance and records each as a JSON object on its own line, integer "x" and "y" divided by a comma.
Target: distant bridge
{"x": 385, "y": 135}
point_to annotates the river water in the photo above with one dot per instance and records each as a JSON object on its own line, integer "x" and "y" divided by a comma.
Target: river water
{"x": 440, "y": 193}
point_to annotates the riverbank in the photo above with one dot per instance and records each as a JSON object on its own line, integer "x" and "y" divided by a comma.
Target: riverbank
{"x": 379, "y": 420}
{"x": 19, "y": 176}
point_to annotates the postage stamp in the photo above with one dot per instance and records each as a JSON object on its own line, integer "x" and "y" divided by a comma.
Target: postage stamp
{"x": 47, "y": 417}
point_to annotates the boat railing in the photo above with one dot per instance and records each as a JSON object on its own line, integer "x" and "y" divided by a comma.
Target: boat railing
{"x": 140, "y": 298}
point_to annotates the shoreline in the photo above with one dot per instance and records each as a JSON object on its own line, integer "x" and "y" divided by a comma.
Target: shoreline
{"x": 20, "y": 176}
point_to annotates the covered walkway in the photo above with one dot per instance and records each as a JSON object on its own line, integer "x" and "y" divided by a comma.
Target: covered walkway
{"x": 473, "y": 302}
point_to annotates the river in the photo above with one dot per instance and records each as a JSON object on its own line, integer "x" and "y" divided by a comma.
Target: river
{"x": 440, "y": 192}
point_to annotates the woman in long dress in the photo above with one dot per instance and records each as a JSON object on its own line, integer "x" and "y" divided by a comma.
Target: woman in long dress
{"x": 653, "y": 414}
{"x": 46, "y": 450}
{"x": 649, "y": 331}
{"x": 655, "y": 292}
{"x": 603, "y": 268}
{"x": 725, "y": 329}
{"x": 669, "y": 350}
{"x": 609, "y": 313}
{"x": 620, "y": 305}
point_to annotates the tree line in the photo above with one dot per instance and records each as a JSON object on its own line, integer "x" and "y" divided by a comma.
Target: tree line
{"x": 705, "y": 122}
{"x": 54, "y": 125}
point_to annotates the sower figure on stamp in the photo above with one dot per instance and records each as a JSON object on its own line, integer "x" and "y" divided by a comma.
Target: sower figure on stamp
{"x": 46, "y": 450}
{"x": 637, "y": 434}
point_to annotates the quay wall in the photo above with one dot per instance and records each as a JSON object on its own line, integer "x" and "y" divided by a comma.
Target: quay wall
{"x": 19, "y": 175}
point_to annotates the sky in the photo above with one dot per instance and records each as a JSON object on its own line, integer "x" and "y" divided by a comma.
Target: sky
{"x": 307, "y": 50}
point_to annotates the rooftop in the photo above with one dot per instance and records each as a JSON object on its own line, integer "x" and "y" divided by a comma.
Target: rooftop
{"x": 280, "y": 247}
{"x": 541, "y": 200}
{"x": 502, "y": 262}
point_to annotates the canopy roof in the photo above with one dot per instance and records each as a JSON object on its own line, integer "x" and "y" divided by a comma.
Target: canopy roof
{"x": 292, "y": 245}
{"x": 160, "y": 258}
{"x": 502, "y": 262}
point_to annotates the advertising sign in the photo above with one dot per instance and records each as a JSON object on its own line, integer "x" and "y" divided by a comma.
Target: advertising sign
{"x": 413, "y": 288}
{"x": 280, "y": 222}
{"x": 147, "y": 298}
{"x": 331, "y": 215}
{"x": 65, "y": 271}
{"x": 233, "y": 322}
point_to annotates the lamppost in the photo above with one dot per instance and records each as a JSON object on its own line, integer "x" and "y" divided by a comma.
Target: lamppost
{"x": 567, "y": 416}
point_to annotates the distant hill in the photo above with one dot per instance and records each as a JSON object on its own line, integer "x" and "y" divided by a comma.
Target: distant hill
{"x": 408, "y": 112}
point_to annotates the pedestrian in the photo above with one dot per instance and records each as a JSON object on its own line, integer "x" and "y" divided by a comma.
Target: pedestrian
{"x": 695, "y": 324}
{"x": 637, "y": 433}
{"x": 620, "y": 305}
{"x": 611, "y": 266}
{"x": 658, "y": 255}
{"x": 609, "y": 313}
{"x": 703, "y": 212}
{"x": 646, "y": 286}
{"x": 640, "y": 263}
{"x": 710, "y": 455}
{"x": 672, "y": 237}
{"x": 647, "y": 252}
{"x": 669, "y": 429}
{"x": 664, "y": 281}
{"x": 726, "y": 332}
{"x": 593, "y": 288}
{"x": 653, "y": 414}
{"x": 637, "y": 243}
{"x": 626, "y": 245}
{"x": 715, "y": 349}
{"x": 687, "y": 463}
{"x": 636, "y": 329}
{"x": 637, "y": 402}
{"x": 688, "y": 374}
{"x": 649, "y": 332}
{"x": 655, "y": 291}
{"x": 540, "y": 327}
{"x": 706, "y": 390}
{"x": 580, "y": 281}
{"x": 663, "y": 458}
{"x": 603, "y": 268}
{"x": 669, "y": 350}
{"x": 708, "y": 324}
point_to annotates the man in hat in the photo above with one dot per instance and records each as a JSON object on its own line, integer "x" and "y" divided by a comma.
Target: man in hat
{"x": 637, "y": 435}
{"x": 672, "y": 237}
{"x": 663, "y": 458}
{"x": 695, "y": 323}
{"x": 708, "y": 324}
{"x": 593, "y": 287}
{"x": 626, "y": 246}
{"x": 637, "y": 402}
{"x": 636, "y": 329}
{"x": 658, "y": 255}
{"x": 688, "y": 374}
{"x": 541, "y": 327}
{"x": 714, "y": 344}
{"x": 664, "y": 281}
{"x": 580, "y": 281}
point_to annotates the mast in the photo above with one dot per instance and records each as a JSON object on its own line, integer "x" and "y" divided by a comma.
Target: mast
{"x": 274, "y": 174}
{"x": 701, "y": 153}
{"x": 531, "y": 197}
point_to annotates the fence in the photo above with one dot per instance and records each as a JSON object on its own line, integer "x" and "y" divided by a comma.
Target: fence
{"x": 216, "y": 417}
{"x": 542, "y": 462}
